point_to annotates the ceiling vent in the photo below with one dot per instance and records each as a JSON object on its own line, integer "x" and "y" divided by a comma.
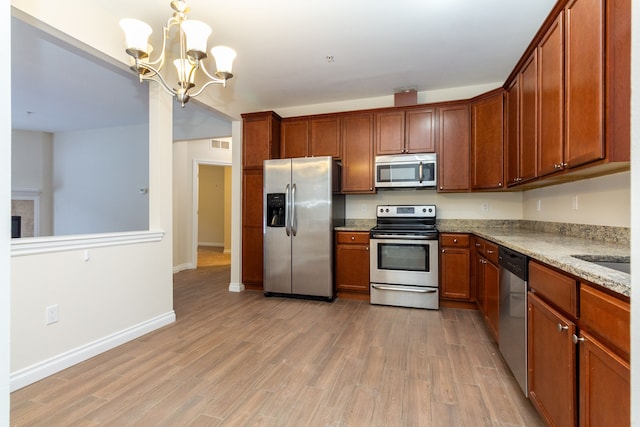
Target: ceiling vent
{"x": 220, "y": 144}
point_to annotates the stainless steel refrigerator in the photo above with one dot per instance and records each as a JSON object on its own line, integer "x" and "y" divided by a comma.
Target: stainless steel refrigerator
{"x": 301, "y": 208}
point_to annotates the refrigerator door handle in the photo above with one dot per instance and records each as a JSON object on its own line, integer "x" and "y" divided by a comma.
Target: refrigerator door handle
{"x": 287, "y": 216}
{"x": 294, "y": 222}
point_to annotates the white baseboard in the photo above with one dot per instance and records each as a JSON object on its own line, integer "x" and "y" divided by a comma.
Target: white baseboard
{"x": 212, "y": 244}
{"x": 236, "y": 287}
{"x": 181, "y": 267}
{"x": 48, "y": 367}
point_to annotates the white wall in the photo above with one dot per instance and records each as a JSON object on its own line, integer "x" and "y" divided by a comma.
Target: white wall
{"x": 97, "y": 178}
{"x": 449, "y": 206}
{"x": 187, "y": 155}
{"x": 604, "y": 200}
{"x": 107, "y": 293}
{"x": 31, "y": 170}
{"x": 5, "y": 228}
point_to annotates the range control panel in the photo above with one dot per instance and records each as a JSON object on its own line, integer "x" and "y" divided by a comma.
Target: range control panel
{"x": 406, "y": 211}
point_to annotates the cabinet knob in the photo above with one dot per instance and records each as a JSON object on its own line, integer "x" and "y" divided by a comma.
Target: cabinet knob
{"x": 367, "y": 247}
{"x": 576, "y": 339}
{"x": 442, "y": 250}
{"x": 564, "y": 165}
{"x": 562, "y": 327}
{"x": 489, "y": 251}
{"x": 477, "y": 245}
{"x": 455, "y": 240}
{"x": 353, "y": 237}
{"x": 499, "y": 184}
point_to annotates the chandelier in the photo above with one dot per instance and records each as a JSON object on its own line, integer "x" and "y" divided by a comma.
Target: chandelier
{"x": 192, "y": 46}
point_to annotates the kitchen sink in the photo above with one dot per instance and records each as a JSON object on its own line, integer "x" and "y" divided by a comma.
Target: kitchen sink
{"x": 619, "y": 263}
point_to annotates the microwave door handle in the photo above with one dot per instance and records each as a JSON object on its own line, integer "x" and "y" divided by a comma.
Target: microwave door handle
{"x": 287, "y": 214}
{"x": 420, "y": 170}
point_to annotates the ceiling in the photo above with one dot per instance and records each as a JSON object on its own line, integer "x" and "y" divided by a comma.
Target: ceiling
{"x": 282, "y": 45}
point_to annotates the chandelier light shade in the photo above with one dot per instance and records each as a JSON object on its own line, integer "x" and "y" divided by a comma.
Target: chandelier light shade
{"x": 192, "y": 41}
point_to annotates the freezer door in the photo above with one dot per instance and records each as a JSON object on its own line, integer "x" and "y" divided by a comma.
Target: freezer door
{"x": 277, "y": 243}
{"x": 312, "y": 243}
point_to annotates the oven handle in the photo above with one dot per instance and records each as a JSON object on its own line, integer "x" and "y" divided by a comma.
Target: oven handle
{"x": 406, "y": 289}
{"x": 420, "y": 172}
{"x": 397, "y": 236}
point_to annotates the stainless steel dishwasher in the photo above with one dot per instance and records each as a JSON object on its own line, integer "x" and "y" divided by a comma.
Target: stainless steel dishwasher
{"x": 513, "y": 313}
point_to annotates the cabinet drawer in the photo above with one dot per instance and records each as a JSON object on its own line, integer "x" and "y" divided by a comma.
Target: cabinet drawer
{"x": 554, "y": 287}
{"x": 454, "y": 240}
{"x": 605, "y": 316}
{"x": 346, "y": 237}
{"x": 491, "y": 252}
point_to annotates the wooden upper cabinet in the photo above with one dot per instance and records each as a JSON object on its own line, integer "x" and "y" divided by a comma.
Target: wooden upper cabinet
{"x": 357, "y": 153}
{"x": 551, "y": 98}
{"x": 401, "y": 131}
{"x": 512, "y": 133}
{"x": 311, "y": 136}
{"x": 390, "y": 132}
{"x": 260, "y": 138}
{"x": 453, "y": 148}
{"x": 294, "y": 138}
{"x": 528, "y": 133}
{"x": 324, "y": 137}
{"x": 487, "y": 151}
{"x": 420, "y": 130}
{"x": 584, "y": 90}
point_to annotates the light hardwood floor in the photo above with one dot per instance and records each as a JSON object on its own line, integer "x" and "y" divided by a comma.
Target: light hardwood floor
{"x": 238, "y": 359}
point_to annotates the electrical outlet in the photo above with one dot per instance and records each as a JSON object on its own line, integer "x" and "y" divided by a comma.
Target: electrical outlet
{"x": 363, "y": 208}
{"x": 52, "y": 314}
{"x": 539, "y": 205}
{"x": 484, "y": 207}
{"x": 574, "y": 203}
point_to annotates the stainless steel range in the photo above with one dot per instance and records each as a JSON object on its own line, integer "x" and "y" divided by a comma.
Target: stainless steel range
{"x": 404, "y": 256}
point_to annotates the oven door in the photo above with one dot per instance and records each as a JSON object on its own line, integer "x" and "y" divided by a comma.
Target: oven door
{"x": 404, "y": 261}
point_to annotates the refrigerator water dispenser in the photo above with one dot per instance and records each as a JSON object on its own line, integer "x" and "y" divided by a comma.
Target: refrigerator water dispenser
{"x": 276, "y": 209}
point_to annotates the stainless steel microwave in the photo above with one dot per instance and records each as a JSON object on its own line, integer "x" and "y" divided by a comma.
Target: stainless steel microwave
{"x": 406, "y": 171}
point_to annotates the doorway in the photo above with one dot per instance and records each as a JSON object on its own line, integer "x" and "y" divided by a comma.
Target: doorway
{"x": 212, "y": 211}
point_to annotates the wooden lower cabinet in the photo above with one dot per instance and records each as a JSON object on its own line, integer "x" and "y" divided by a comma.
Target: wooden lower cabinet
{"x": 455, "y": 263}
{"x": 604, "y": 385}
{"x": 352, "y": 264}
{"x": 487, "y": 283}
{"x": 551, "y": 363}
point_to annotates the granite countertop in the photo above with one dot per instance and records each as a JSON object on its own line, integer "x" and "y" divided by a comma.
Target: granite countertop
{"x": 557, "y": 249}
{"x": 553, "y": 244}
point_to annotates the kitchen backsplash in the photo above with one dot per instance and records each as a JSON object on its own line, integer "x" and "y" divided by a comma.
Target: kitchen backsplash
{"x": 620, "y": 235}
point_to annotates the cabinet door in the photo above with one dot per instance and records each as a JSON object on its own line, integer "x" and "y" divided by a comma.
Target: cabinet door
{"x": 584, "y": 47}
{"x": 529, "y": 119}
{"x": 551, "y": 92}
{"x": 260, "y": 139}
{"x": 420, "y": 131}
{"x": 512, "y": 151}
{"x": 294, "y": 138}
{"x": 491, "y": 283}
{"x": 453, "y": 143}
{"x": 325, "y": 136}
{"x": 357, "y": 153}
{"x": 604, "y": 385}
{"x": 552, "y": 363}
{"x": 487, "y": 157}
{"x": 455, "y": 275}
{"x": 352, "y": 266}
{"x": 390, "y": 132}
{"x": 478, "y": 272}
{"x": 252, "y": 183}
